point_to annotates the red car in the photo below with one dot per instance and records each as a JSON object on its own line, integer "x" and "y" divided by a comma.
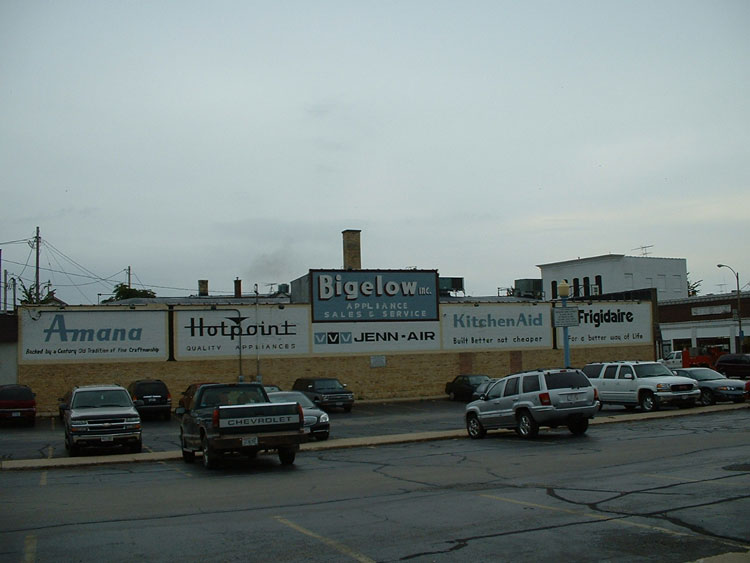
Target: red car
{"x": 17, "y": 402}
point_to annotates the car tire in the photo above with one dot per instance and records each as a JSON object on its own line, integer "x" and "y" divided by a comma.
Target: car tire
{"x": 474, "y": 427}
{"x": 321, "y": 436}
{"x": 287, "y": 455}
{"x": 706, "y": 398}
{"x": 188, "y": 455}
{"x": 578, "y": 426}
{"x": 137, "y": 447}
{"x": 73, "y": 450}
{"x": 648, "y": 402}
{"x": 738, "y": 400}
{"x": 210, "y": 456}
{"x": 348, "y": 409}
{"x": 452, "y": 396}
{"x": 526, "y": 426}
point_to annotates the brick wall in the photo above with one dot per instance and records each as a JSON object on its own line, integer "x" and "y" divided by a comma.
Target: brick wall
{"x": 403, "y": 376}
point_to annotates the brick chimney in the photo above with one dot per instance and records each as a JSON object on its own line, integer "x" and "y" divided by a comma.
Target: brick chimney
{"x": 352, "y": 250}
{"x": 238, "y": 287}
{"x": 202, "y": 288}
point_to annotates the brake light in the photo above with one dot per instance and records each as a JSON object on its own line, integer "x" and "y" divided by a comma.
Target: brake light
{"x": 216, "y": 418}
{"x": 169, "y": 396}
{"x": 544, "y": 399}
{"x": 301, "y": 415}
{"x": 596, "y": 394}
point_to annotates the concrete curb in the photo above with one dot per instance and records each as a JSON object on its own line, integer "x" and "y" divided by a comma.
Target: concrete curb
{"x": 341, "y": 443}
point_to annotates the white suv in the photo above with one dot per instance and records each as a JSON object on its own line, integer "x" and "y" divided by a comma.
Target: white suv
{"x": 645, "y": 384}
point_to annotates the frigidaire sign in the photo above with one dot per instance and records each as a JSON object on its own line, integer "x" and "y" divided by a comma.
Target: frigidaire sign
{"x": 374, "y": 295}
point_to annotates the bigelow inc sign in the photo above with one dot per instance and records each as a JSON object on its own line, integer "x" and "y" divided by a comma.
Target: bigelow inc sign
{"x": 263, "y": 331}
{"x": 57, "y": 335}
{"x": 608, "y": 323}
{"x": 374, "y": 295}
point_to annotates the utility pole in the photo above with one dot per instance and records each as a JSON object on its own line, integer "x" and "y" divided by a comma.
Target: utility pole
{"x": 129, "y": 284}
{"x": 37, "y": 241}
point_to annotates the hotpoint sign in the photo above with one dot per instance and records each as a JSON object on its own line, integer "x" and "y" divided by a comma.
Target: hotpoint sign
{"x": 374, "y": 295}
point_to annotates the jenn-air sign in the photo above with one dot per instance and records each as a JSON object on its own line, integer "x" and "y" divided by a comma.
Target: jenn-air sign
{"x": 374, "y": 295}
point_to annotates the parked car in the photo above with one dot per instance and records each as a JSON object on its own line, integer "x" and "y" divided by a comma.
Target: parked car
{"x": 646, "y": 384}
{"x": 325, "y": 392}
{"x": 673, "y": 359}
{"x": 18, "y": 402}
{"x": 102, "y": 416}
{"x": 463, "y": 386}
{"x": 525, "y": 401}
{"x": 271, "y": 388}
{"x": 734, "y": 365}
{"x": 154, "y": 396}
{"x": 317, "y": 423}
{"x": 714, "y": 386}
{"x": 482, "y": 388}
{"x": 187, "y": 394}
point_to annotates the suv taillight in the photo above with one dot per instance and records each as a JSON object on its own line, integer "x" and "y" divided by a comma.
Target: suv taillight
{"x": 596, "y": 394}
{"x": 544, "y": 399}
{"x": 301, "y": 415}
{"x": 216, "y": 418}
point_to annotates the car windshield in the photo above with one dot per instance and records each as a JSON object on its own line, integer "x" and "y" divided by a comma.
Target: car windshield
{"x": 16, "y": 394}
{"x": 702, "y": 374}
{"x": 477, "y": 379}
{"x": 292, "y": 397}
{"x": 651, "y": 370}
{"x": 99, "y": 399}
{"x": 566, "y": 380}
{"x": 329, "y": 385}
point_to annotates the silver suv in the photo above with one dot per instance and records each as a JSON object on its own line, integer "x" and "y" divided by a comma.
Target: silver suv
{"x": 525, "y": 401}
{"x": 101, "y": 416}
{"x": 645, "y": 384}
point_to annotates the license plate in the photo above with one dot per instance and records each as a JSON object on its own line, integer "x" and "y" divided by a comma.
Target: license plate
{"x": 107, "y": 439}
{"x": 250, "y": 441}
{"x": 16, "y": 414}
{"x": 339, "y": 404}
{"x": 572, "y": 397}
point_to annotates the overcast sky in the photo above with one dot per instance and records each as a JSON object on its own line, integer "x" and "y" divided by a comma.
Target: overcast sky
{"x": 222, "y": 140}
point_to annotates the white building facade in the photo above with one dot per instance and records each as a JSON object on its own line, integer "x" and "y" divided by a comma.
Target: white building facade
{"x": 613, "y": 273}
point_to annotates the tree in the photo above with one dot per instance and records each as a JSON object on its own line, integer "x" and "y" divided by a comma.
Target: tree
{"x": 123, "y": 291}
{"x": 28, "y": 294}
{"x": 694, "y": 288}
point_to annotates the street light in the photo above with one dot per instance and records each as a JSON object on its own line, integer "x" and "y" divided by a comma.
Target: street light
{"x": 739, "y": 304}
{"x": 238, "y": 321}
{"x": 563, "y": 290}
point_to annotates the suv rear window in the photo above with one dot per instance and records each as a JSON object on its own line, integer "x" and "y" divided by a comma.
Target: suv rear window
{"x": 566, "y": 380}
{"x": 151, "y": 388}
{"x": 16, "y": 394}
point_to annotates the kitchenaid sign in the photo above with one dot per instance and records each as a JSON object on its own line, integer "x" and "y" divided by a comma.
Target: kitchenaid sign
{"x": 265, "y": 331}
{"x": 377, "y": 295}
{"x": 56, "y": 335}
{"x": 496, "y": 326}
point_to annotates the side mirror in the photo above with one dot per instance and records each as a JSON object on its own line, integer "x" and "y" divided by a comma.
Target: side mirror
{"x": 628, "y": 376}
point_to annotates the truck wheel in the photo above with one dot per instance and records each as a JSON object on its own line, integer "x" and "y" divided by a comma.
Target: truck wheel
{"x": 188, "y": 455}
{"x": 322, "y": 436}
{"x": 210, "y": 457}
{"x": 648, "y": 402}
{"x": 707, "y": 398}
{"x": 72, "y": 448}
{"x": 578, "y": 426}
{"x": 287, "y": 455}
{"x": 137, "y": 447}
{"x": 474, "y": 427}
{"x": 526, "y": 426}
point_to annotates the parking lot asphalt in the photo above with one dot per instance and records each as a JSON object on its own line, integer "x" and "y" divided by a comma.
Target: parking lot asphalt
{"x": 365, "y": 441}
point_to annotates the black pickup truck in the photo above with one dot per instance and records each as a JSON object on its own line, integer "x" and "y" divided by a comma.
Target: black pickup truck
{"x": 225, "y": 418}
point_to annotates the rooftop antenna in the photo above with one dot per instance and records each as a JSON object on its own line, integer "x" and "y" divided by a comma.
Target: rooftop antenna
{"x": 644, "y": 249}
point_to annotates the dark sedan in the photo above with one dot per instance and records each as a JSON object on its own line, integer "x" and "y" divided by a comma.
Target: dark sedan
{"x": 462, "y": 387}
{"x": 714, "y": 386}
{"x": 317, "y": 423}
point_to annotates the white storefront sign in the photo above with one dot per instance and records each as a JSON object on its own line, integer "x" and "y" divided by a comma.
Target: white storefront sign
{"x": 605, "y": 323}
{"x": 375, "y": 338}
{"x": 496, "y": 326}
{"x": 261, "y": 331}
{"x": 63, "y": 335}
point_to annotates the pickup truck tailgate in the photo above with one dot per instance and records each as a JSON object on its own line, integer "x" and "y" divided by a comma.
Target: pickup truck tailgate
{"x": 267, "y": 417}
